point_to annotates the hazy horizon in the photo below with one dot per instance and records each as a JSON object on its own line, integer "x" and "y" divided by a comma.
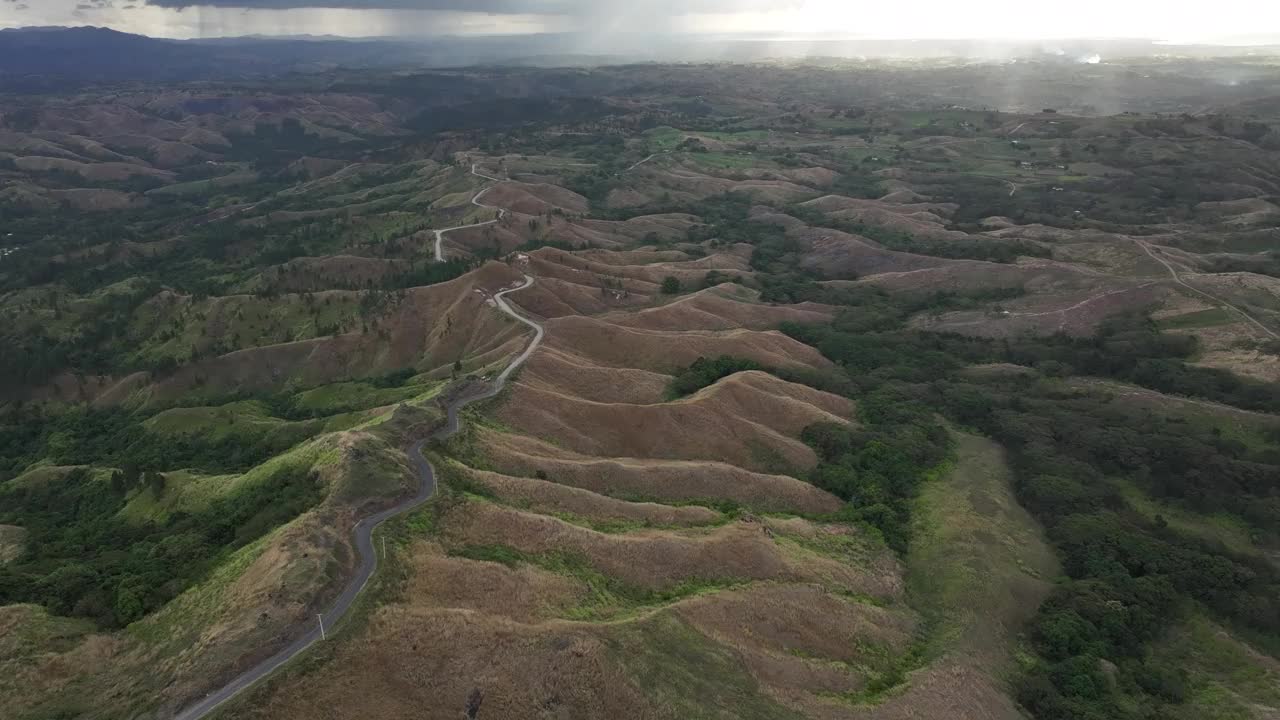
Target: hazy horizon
{"x": 1231, "y": 22}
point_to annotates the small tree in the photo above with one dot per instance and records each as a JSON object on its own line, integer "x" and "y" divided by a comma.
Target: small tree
{"x": 156, "y": 482}
{"x": 670, "y": 285}
{"x": 457, "y": 367}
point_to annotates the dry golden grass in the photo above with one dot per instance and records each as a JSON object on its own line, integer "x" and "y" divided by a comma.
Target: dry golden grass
{"x": 661, "y": 480}
{"x": 553, "y": 371}
{"x": 524, "y": 594}
{"x": 551, "y": 498}
{"x": 200, "y": 639}
{"x": 926, "y": 220}
{"x": 725, "y": 307}
{"x": 534, "y": 198}
{"x": 426, "y": 662}
{"x": 804, "y": 620}
{"x": 635, "y": 278}
{"x": 749, "y": 419}
{"x": 632, "y": 257}
{"x": 12, "y": 541}
{"x": 689, "y": 183}
{"x": 956, "y": 277}
{"x": 44, "y": 657}
{"x": 838, "y": 254}
{"x": 800, "y": 642}
{"x": 609, "y": 345}
{"x": 661, "y": 559}
{"x": 754, "y": 618}
{"x": 1249, "y": 363}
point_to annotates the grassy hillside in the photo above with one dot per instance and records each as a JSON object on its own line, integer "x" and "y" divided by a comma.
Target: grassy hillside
{"x": 852, "y": 402}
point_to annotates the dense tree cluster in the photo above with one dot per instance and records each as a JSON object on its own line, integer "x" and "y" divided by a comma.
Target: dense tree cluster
{"x": 115, "y": 437}
{"x": 878, "y": 467}
{"x": 83, "y": 559}
{"x": 1130, "y": 576}
{"x": 705, "y": 372}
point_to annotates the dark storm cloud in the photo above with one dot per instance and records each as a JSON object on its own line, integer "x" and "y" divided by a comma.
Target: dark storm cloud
{"x": 539, "y": 7}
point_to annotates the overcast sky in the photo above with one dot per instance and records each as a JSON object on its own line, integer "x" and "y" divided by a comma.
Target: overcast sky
{"x": 1174, "y": 20}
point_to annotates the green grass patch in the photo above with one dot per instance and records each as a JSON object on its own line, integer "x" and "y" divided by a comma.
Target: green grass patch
{"x": 941, "y": 118}
{"x": 1226, "y": 679}
{"x": 501, "y": 554}
{"x": 769, "y": 460}
{"x": 185, "y": 491}
{"x": 853, "y": 548}
{"x": 190, "y": 492}
{"x": 181, "y": 328}
{"x": 620, "y": 526}
{"x": 744, "y": 136}
{"x": 663, "y": 139}
{"x": 349, "y": 396}
{"x": 1229, "y": 530}
{"x": 977, "y": 559}
{"x": 1211, "y": 317}
{"x": 607, "y": 598}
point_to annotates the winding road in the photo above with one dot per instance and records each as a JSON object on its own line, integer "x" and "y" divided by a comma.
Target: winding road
{"x": 474, "y": 201}
{"x": 364, "y": 529}
{"x": 1173, "y": 272}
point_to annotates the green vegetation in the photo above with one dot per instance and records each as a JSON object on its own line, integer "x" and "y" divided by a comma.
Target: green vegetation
{"x": 221, "y": 440}
{"x": 349, "y": 396}
{"x": 83, "y": 560}
{"x": 1199, "y": 319}
{"x": 231, "y": 437}
{"x": 704, "y": 373}
{"x": 1130, "y": 576}
{"x": 978, "y": 562}
{"x": 1226, "y": 679}
{"x": 607, "y": 597}
{"x": 1119, "y": 560}
{"x": 317, "y": 223}
{"x": 880, "y": 466}
{"x": 663, "y": 139}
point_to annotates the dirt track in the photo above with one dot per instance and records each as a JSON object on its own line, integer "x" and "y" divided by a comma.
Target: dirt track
{"x": 1173, "y": 272}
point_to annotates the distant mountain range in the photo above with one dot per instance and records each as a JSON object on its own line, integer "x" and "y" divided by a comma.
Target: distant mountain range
{"x": 38, "y": 59}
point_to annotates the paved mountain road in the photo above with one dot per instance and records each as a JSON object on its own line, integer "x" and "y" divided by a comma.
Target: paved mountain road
{"x": 364, "y": 529}
{"x": 475, "y": 200}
